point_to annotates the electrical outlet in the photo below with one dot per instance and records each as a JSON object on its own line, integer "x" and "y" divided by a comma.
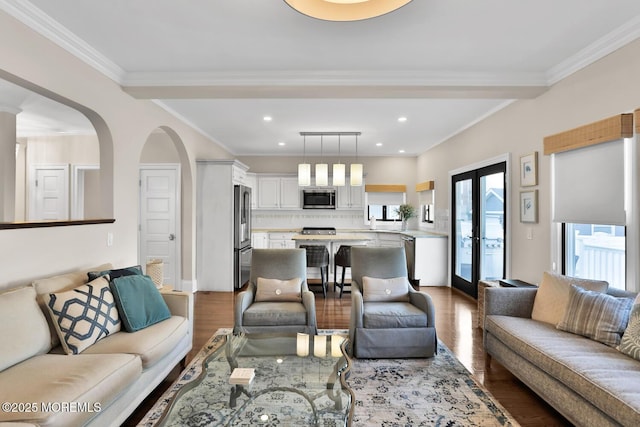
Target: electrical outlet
{"x": 109, "y": 239}
{"x": 529, "y": 233}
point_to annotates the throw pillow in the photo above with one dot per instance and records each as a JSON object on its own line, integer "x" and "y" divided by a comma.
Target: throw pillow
{"x": 84, "y": 315}
{"x": 595, "y": 315}
{"x": 276, "y": 290}
{"x": 116, "y": 272}
{"x": 552, "y": 297}
{"x": 139, "y": 302}
{"x": 630, "y": 343}
{"x": 395, "y": 289}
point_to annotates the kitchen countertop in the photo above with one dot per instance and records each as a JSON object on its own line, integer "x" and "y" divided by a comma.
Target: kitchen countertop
{"x": 332, "y": 237}
{"x": 351, "y": 234}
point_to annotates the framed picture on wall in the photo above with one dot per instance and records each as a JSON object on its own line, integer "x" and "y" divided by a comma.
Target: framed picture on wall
{"x": 529, "y": 206}
{"x": 529, "y": 170}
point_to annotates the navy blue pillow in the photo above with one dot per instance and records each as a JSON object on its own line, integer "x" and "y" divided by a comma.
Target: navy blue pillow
{"x": 115, "y": 273}
{"x": 139, "y": 302}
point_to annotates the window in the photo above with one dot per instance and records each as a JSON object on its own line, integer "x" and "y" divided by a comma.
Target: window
{"x": 383, "y": 205}
{"x": 595, "y": 251}
{"x": 383, "y": 212}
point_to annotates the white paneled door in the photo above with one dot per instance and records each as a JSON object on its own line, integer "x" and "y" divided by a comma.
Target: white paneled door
{"x": 49, "y": 193}
{"x": 159, "y": 219}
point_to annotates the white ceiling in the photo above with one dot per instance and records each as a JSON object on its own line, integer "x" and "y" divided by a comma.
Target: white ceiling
{"x": 444, "y": 64}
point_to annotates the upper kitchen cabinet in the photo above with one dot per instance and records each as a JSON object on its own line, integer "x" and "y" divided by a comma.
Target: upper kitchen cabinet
{"x": 252, "y": 182}
{"x": 278, "y": 192}
{"x": 350, "y": 197}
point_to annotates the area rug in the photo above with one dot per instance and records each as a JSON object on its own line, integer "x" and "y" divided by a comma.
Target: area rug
{"x": 438, "y": 391}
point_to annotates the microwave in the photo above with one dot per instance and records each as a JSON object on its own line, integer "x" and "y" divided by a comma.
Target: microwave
{"x": 319, "y": 199}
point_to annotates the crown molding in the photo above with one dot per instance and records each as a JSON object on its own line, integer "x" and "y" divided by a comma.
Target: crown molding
{"x": 37, "y": 20}
{"x": 602, "y": 47}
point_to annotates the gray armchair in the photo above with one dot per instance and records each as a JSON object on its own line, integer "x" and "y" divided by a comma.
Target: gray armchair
{"x": 278, "y": 314}
{"x": 388, "y": 329}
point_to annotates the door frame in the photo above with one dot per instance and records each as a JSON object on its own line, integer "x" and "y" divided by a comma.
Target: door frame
{"x": 506, "y": 158}
{"x": 31, "y": 187}
{"x": 77, "y": 189}
{"x": 176, "y": 167}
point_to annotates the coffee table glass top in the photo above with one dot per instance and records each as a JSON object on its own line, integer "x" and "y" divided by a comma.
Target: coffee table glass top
{"x": 299, "y": 380}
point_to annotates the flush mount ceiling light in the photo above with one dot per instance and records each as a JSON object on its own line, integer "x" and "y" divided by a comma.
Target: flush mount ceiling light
{"x": 345, "y": 10}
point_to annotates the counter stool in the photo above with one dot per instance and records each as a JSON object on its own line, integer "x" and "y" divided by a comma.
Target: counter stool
{"x": 342, "y": 258}
{"x": 318, "y": 256}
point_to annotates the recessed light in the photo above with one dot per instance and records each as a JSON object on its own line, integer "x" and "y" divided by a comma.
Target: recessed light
{"x": 379, "y": 144}
{"x": 282, "y": 144}
{"x": 400, "y": 151}
{"x": 402, "y": 119}
{"x": 267, "y": 118}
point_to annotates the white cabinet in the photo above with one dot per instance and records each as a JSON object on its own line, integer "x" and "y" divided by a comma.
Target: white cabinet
{"x": 278, "y": 192}
{"x": 350, "y": 197}
{"x": 252, "y": 182}
{"x": 280, "y": 240}
{"x": 431, "y": 261}
{"x": 390, "y": 240}
{"x": 260, "y": 240}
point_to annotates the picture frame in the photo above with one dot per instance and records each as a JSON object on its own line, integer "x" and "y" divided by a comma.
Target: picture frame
{"x": 529, "y": 206}
{"x": 529, "y": 170}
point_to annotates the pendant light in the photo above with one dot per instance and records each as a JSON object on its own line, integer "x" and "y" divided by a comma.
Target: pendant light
{"x": 304, "y": 168}
{"x": 338, "y": 170}
{"x": 322, "y": 169}
{"x": 356, "y": 170}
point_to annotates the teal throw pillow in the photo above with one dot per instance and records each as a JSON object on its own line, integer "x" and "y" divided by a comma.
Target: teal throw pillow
{"x": 116, "y": 272}
{"x": 139, "y": 302}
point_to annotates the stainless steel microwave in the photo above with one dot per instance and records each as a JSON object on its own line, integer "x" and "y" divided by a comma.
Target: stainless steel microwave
{"x": 319, "y": 198}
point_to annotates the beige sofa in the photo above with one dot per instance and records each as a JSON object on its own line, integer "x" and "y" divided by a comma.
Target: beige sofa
{"x": 102, "y": 385}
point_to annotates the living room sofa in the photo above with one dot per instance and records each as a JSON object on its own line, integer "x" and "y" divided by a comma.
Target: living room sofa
{"x": 588, "y": 382}
{"x": 101, "y": 385}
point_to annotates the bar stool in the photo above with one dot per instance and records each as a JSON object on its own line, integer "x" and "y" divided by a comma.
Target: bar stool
{"x": 342, "y": 258}
{"x": 318, "y": 256}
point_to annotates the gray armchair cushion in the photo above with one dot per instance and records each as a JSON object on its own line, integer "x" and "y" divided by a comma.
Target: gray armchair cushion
{"x": 275, "y": 313}
{"x": 381, "y": 315}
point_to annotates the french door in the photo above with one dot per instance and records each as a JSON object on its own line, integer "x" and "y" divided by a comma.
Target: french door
{"x": 478, "y": 227}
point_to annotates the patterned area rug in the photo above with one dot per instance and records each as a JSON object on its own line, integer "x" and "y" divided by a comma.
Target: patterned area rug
{"x": 393, "y": 392}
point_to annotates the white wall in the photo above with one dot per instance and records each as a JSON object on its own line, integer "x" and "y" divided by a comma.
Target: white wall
{"x": 26, "y": 254}
{"x": 606, "y": 88}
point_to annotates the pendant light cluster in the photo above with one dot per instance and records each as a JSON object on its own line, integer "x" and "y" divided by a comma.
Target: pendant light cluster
{"x": 322, "y": 169}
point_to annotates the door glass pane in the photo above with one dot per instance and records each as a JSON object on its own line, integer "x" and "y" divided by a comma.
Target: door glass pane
{"x": 492, "y": 226}
{"x": 464, "y": 229}
{"x": 595, "y": 251}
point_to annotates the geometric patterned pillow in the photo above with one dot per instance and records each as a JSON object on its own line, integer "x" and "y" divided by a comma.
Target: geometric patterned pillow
{"x": 595, "y": 315}
{"x": 630, "y": 343}
{"x": 84, "y": 315}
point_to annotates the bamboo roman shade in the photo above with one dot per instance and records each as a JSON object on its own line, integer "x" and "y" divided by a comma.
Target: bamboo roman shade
{"x": 588, "y": 170}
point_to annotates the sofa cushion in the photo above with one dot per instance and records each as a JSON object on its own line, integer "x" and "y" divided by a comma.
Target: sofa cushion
{"x": 62, "y": 282}
{"x": 630, "y": 342}
{"x": 392, "y": 289}
{"x": 389, "y": 315}
{"x": 114, "y": 273}
{"x": 595, "y": 315}
{"x": 139, "y": 302}
{"x": 275, "y": 313}
{"x": 23, "y": 328}
{"x": 86, "y": 379}
{"x": 84, "y": 315}
{"x": 599, "y": 373}
{"x": 150, "y": 344}
{"x": 278, "y": 290}
{"x": 552, "y": 297}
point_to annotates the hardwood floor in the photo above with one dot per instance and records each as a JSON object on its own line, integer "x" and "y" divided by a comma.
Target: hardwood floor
{"x": 456, "y": 323}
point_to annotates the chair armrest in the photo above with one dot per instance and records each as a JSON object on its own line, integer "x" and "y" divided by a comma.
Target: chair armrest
{"x": 309, "y": 302}
{"x": 516, "y": 302}
{"x": 243, "y": 300}
{"x": 423, "y": 301}
{"x": 180, "y": 303}
{"x": 357, "y": 311}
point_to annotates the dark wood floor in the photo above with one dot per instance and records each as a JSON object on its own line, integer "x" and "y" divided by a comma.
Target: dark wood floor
{"x": 456, "y": 323}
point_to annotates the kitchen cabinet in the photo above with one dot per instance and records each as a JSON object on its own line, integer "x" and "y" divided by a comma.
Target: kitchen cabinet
{"x": 259, "y": 240}
{"x": 252, "y": 182}
{"x": 281, "y": 240}
{"x": 350, "y": 197}
{"x": 389, "y": 240}
{"x": 429, "y": 260}
{"x": 278, "y": 192}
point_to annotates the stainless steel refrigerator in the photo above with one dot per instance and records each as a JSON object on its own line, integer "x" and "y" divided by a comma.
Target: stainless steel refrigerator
{"x": 242, "y": 235}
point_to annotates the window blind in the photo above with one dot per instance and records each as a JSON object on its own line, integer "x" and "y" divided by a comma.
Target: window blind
{"x": 588, "y": 184}
{"x": 390, "y": 198}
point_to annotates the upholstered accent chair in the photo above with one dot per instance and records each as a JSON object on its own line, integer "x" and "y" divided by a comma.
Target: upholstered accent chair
{"x": 389, "y": 319}
{"x": 277, "y": 298}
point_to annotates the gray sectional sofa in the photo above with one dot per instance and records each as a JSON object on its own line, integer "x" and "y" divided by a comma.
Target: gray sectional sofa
{"x": 589, "y": 383}
{"x": 100, "y": 386}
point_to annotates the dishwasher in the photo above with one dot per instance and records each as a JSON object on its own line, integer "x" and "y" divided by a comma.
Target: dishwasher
{"x": 410, "y": 252}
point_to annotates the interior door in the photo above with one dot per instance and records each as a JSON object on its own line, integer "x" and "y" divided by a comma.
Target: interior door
{"x": 478, "y": 228}
{"x": 159, "y": 219}
{"x": 49, "y": 193}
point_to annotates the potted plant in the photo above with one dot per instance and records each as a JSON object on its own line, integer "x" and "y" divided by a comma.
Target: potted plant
{"x": 405, "y": 211}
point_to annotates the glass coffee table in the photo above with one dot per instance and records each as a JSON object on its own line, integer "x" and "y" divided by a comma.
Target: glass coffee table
{"x": 299, "y": 380}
